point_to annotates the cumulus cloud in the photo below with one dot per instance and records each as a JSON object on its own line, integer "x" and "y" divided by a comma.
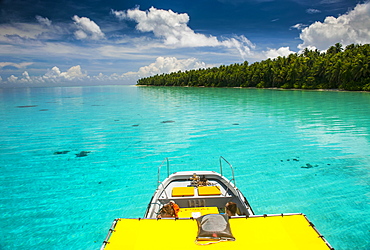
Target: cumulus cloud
{"x": 352, "y": 27}
{"x": 74, "y": 73}
{"x": 273, "y": 53}
{"x": 170, "y": 26}
{"x": 25, "y": 78}
{"x": 174, "y": 30}
{"x": 12, "y": 79}
{"x": 87, "y": 29}
{"x": 168, "y": 65}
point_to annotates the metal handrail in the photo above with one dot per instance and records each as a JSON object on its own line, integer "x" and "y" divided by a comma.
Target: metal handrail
{"x": 159, "y": 171}
{"x": 231, "y": 167}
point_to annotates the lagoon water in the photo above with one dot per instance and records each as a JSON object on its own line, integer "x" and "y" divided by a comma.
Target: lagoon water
{"x": 292, "y": 151}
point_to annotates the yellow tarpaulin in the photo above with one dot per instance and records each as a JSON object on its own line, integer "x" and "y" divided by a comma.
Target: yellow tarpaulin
{"x": 271, "y": 232}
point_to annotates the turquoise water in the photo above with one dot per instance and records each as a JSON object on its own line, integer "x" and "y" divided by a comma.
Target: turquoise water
{"x": 292, "y": 151}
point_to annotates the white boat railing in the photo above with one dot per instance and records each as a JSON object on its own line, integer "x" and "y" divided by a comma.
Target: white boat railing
{"x": 231, "y": 167}
{"x": 166, "y": 162}
{"x": 159, "y": 171}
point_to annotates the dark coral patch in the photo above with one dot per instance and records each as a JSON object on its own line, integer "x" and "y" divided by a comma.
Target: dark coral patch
{"x": 27, "y": 106}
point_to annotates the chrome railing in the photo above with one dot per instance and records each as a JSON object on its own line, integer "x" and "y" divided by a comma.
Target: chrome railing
{"x": 231, "y": 167}
{"x": 166, "y": 162}
{"x": 159, "y": 171}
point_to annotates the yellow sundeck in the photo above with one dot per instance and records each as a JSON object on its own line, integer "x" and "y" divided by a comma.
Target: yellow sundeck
{"x": 204, "y": 209}
{"x": 270, "y": 232}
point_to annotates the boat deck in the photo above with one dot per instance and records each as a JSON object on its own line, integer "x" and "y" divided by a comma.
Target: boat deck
{"x": 215, "y": 194}
{"x": 184, "y": 190}
{"x": 288, "y": 231}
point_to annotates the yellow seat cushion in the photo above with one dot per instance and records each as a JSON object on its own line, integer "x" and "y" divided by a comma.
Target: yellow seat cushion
{"x": 209, "y": 190}
{"x": 182, "y": 191}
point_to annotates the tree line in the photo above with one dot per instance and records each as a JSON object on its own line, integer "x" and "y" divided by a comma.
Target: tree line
{"x": 338, "y": 68}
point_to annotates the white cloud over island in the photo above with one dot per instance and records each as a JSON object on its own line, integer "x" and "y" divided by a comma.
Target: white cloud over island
{"x": 273, "y": 53}
{"x": 352, "y": 27}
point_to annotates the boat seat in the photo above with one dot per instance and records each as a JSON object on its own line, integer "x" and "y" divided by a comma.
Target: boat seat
{"x": 209, "y": 190}
{"x": 182, "y": 191}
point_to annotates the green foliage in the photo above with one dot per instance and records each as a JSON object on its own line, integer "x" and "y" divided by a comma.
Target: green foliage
{"x": 338, "y": 68}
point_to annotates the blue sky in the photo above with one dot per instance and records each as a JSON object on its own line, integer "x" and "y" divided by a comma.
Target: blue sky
{"x": 55, "y": 43}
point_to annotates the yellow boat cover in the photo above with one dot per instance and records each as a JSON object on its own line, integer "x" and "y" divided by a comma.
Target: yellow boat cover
{"x": 270, "y": 232}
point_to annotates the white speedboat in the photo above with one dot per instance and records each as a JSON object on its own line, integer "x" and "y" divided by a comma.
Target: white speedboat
{"x": 190, "y": 209}
{"x": 198, "y": 193}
